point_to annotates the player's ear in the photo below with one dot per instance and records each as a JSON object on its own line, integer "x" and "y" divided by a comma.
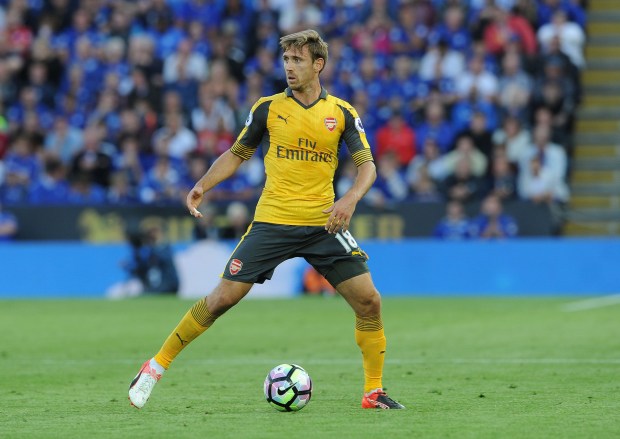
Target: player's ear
{"x": 319, "y": 63}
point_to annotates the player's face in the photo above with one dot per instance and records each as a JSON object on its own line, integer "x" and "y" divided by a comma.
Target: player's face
{"x": 299, "y": 68}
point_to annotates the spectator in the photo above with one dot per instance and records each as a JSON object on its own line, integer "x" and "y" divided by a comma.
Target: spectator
{"x": 174, "y": 138}
{"x": 540, "y": 185}
{"x": 552, "y": 156}
{"x": 492, "y": 223}
{"x": 515, "y": 87}
{"x": 570, "y": 35}
{"x": 370, "y": 80}
{"x": 211, "y": 111}
{"x": 463, "y": 185}
{"x": 14, "y": 188}
{"x": 22, "y": 161}
{"x": 121, "y": 191}
{"x": 64, "y": 141}
{"x": 106, "y": 113}
{"x": 398, "y": 137}
{"x": 477, "y": 82}
{"x": 429, "y": 162}
{"x": 82, "y": 190}
{"x": 28, "y": 103}
{"x": 454, "y": 226}
{"x": 506, "y": 27}
{"x": 52, "y": 186}
{"x": 425, "y": 189}
{"x": 441, "y": 62}
{"x": 514, "y": 137}
{"x": 453, "y": 30}
{"x": 92, "y": 161}
{"x": 573, "y": 9}
{"x": 502, "y": 181}
{"x": 38, "y": 78}
{"x": 480, "y": 133}
{"x": 131, "y": 126}
{"x": 555, "y": 90}
{"x": 404, "y": 83}
{"x": 408, "y": 37}
{"x": 436, "y": 127}
{"x": 130, "y": 162}
{"x": 8, "y": 225}
{"x": 390, "y": 181}
{"x": 162, "y": 183}
{"x": 553, "y": 51}
{"x": 185, "y": 64}
{"x": 465, "y": 150}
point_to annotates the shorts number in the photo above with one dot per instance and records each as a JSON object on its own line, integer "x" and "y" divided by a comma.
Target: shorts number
{"x": 347, "y": 240}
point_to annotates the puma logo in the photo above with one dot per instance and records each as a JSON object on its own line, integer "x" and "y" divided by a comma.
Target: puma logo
{"x": 181, "y": 340}
{"x": 285, "y": 121}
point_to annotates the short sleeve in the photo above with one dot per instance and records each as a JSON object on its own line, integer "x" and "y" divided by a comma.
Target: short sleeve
{"x": 253, "y": 132}
{"x": 355, "y": 137}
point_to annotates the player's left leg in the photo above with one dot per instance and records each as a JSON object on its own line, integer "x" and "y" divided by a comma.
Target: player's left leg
{"x": 363, "y": 297}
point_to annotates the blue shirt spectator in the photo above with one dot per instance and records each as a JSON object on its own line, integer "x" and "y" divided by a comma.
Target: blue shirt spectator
{"x": 492, "y": 223}
{"x": 454, "y": 226}
{"x": 83, "y": 191}
{"x": 435, "y": 127}
{"x": 574, "y": 11}
{"x": 51, "y": 187}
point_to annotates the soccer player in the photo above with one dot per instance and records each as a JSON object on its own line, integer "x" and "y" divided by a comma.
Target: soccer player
{"x": 300, "y": 130}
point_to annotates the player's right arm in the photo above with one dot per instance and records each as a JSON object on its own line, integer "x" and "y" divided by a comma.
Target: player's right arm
{"x": 225, "y": 166}
{"x": 228, "y": 163}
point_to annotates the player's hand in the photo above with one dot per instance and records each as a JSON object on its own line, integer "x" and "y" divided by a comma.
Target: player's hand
{"x": 194, "y": 198}
{"x": 340, "y": 215}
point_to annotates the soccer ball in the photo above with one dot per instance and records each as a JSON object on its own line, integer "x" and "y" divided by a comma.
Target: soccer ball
{"x": 288, "y": 387}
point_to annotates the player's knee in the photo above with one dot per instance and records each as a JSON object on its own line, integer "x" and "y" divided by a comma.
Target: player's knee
{"x": 369, "y": 304}
{"x": 221, "y": 300}
{"x": 218, "y": 304}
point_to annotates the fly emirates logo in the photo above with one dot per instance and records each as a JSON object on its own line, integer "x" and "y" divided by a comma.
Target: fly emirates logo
{"x": 306, "y": 152}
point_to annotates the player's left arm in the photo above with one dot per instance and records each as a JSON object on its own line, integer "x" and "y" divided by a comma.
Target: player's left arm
{"x": 355, "y": 137}
{"x": 342, "y": 210}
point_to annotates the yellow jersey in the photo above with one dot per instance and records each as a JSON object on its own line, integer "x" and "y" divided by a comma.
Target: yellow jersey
{"x": 300, "y": 147}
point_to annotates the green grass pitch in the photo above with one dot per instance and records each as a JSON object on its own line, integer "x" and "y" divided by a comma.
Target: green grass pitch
{"x": 464, "y": 367}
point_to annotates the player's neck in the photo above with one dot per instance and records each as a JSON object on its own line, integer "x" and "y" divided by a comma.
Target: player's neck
{"x": 308, "y": 94}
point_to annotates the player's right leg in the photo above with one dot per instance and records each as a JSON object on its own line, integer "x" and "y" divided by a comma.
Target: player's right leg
{"x": 196, "y": 321}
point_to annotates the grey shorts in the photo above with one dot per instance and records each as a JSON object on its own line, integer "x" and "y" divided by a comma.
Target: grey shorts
{"x": 337, "y": 256}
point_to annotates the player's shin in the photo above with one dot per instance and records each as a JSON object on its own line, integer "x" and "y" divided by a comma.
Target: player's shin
{"x": 196, "y": 321}
{"x": 370, "y": 338}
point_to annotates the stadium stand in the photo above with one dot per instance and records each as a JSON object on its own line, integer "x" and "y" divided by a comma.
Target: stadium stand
{"x": 124, "y": 103}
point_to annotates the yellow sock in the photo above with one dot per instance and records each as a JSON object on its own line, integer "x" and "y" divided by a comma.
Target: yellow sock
{"x": 196, "y": 321}
{"x": 370, "y": 338}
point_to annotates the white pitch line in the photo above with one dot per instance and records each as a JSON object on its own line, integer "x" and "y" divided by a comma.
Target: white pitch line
{"x": 596, "y": 302}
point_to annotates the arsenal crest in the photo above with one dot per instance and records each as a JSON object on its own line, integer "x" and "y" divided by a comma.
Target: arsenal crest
{"x": 330, "y": 123}
{"x": 235, "y": 266}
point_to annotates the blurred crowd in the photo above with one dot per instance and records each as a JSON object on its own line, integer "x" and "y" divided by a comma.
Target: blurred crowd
{"x": 116, "y": 101}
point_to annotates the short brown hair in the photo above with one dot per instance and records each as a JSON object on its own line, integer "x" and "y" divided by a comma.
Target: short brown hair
{"x": 316, "y": 46}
